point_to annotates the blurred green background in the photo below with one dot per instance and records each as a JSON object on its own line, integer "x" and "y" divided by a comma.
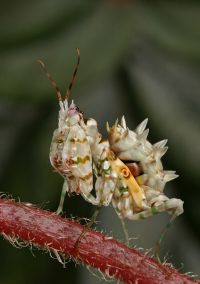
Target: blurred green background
{"x": 138, "y": 58}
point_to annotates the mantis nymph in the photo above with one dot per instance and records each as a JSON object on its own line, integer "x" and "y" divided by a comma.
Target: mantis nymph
{"x": 126, "y": 169}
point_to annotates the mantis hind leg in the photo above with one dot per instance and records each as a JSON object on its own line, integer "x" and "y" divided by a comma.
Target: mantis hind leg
{"x": 87, "y": 226}
{"x": 65, "y": 189}
{"x": 125, "y": 230}
{"x": 162, "y": 235}
{"x": 175, "y": 206}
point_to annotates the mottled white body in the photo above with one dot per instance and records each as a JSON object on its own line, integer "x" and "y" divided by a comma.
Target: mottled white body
{"x": 85, "y": 161}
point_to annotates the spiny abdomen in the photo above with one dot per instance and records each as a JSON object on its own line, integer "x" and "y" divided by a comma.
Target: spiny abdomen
{"x": 133, "y": 147}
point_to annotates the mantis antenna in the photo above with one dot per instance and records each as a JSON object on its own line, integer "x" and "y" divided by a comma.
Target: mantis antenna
{"x": 53, "y": 83}
{"x": 74, "y": 75}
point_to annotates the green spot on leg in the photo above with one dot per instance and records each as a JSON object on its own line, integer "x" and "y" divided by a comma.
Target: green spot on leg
{"x": 154, "y": 211}
{"x": 123, "y": 189}
{"x": 107, "y": 171}
{"x": 142, "y": 217}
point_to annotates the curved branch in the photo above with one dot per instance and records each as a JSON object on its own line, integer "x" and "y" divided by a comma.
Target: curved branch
{"x": 49, "y": 231}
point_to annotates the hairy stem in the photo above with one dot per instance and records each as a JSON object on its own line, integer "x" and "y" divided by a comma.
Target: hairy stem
{"x": 49, "y": 231}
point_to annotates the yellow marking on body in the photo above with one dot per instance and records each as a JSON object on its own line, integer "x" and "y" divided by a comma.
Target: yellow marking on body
{"x": 86, "y": 177}
{"x": 82, "y": 160}
{"x": 134, "y": 189}
{"x": 140, "y": 180}
{"x": 59, "y": 140}
{"x": 77, "y": 140}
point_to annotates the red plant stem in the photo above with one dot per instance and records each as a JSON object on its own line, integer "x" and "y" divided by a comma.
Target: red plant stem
{"x": 49, "y": 231}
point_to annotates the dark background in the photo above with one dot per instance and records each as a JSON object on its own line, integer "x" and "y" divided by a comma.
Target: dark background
{"x": 138, "y": 58}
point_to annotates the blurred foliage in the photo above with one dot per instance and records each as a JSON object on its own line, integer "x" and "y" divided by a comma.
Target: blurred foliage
{"x": 140, "y": 58}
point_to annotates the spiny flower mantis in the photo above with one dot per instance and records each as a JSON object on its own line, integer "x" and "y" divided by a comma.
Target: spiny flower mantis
{"x": 125, "y": 170}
